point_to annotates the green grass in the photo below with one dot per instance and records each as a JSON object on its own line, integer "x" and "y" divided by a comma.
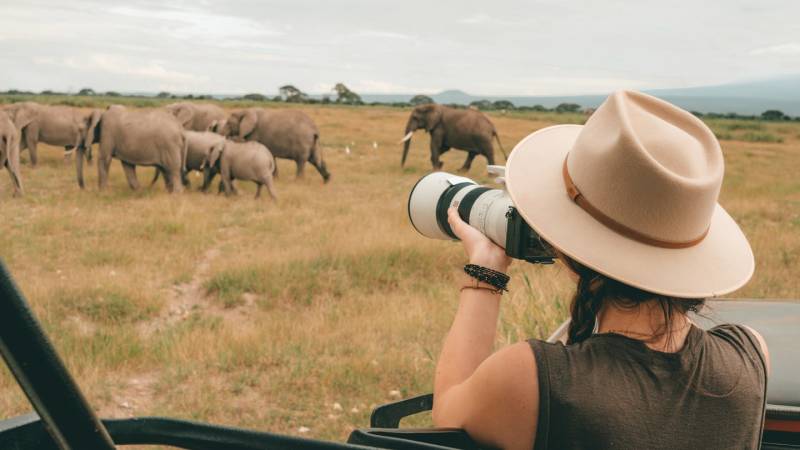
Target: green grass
{"x": 760, "y": 137}
{"x": 330, "y": 276}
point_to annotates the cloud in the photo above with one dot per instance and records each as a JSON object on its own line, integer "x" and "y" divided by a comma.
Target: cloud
{"x": 482, "y": 19}
{"x": 200, "y": 26}
{"x": 384, "y": 34}
{"x": 387, "y": 87}
{"x": 118, "y": 65}
{"x": 789, "y": 48}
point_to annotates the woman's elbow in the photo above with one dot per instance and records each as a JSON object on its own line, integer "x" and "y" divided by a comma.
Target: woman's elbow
{"x": 444, "y": 416}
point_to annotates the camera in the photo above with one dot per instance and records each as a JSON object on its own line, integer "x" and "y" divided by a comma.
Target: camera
{"x": 489, "y": 210}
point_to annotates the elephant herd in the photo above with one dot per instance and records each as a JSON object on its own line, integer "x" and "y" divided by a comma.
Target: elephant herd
{"x": 184, "y": 137}
{"x": 176, "y": 139}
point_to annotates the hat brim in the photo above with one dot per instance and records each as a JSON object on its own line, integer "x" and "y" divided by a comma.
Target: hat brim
{"x": 719, "y": 264}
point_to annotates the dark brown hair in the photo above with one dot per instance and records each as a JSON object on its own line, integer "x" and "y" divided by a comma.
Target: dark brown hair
{"x": 594, "y": 289}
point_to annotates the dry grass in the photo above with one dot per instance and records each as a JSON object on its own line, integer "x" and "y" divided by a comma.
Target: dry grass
{"x": 263, "y": 315}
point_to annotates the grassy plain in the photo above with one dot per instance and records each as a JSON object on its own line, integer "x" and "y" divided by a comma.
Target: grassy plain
{"x": 311, "y": 311}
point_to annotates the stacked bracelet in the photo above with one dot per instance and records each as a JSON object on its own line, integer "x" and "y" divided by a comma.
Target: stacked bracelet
{"x": 498, "y": 280}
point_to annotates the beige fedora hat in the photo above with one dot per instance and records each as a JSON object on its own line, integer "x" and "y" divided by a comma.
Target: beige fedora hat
{"x": 633, "y": 194}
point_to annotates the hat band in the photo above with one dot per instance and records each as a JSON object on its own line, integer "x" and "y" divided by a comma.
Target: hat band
{"x": 626, "y": 231}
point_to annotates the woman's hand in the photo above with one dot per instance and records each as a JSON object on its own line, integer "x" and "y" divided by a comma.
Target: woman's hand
{"x": 480, "y": 249}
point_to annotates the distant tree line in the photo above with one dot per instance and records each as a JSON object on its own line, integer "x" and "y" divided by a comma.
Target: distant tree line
{"x": 772, "y": 115}
{"x": 345, "y": 96}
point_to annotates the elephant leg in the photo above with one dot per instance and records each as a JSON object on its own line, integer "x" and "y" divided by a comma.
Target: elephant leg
{"x": 488, "y": 151}
{"x": 155, "y": 177}
{"x": 68, "y": 150}
{"x": 176, "y": 177}
{"x": 227, "y": 181}
{"x": 301, "y": 169}
{"x": 275, "y": 172}
{"x": 468, "y": 162}
{"x": 436, "y": 150}
{"x": 185, "y": 179}
{"x": 79, "y": 167}
{"x": 32, "y": 144}
{"x": 208, "y": 177}
{"x": 130, "y": 174}
{"x": 258, "y": 190}
{"x": 103, "y": 165}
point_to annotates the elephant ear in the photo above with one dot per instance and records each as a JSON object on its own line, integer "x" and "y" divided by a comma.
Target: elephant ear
{"x": 434, "y": 117}
{"x": 23, "y": 116}
{"x": 216, "y": 152}
{"x": 184, "y": 114}
{"x": 248, "y": 123}
{"x": 93, "y": 128}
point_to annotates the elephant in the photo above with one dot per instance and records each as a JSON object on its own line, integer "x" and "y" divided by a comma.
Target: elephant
{"x": 463, "y": 129}
{"x": 139, "y": 138}
{"x": 9, "y": 151}
{"x": 243, "y": 161}
{"x": 198, "y": 148}
{"x": 197, "y": 116}
{"x": 55, "y": 125}
{"x": 289, "y": 134}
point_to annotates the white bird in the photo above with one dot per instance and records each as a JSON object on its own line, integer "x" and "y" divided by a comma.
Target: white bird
{"x": 347, "y": 149}
{"x": 375, "y": 145}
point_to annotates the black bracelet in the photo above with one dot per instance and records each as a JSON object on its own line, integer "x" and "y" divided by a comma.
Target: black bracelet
{"x": 497, "y": 279}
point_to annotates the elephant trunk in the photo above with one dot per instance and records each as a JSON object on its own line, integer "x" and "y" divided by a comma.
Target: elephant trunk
{"x": 410, "y": 127}
{"x": 12, "y": 155}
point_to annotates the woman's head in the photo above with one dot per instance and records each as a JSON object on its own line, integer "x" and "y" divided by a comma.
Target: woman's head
{"x": 633, "y": 194}
{"x": 595, "y": 290}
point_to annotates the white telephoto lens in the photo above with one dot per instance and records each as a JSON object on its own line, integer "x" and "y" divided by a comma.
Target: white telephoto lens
{"x": 424, "y": 199}
{"x": 482, "y": 207}
{"x": 488, "y": 215}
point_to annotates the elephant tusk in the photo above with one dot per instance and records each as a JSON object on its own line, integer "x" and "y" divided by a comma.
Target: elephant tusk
{"x": 407, "y": 137}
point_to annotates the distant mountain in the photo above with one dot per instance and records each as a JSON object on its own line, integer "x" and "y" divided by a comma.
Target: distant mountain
{"x": 751, "y": 97}
{"x": 779, "y": 88}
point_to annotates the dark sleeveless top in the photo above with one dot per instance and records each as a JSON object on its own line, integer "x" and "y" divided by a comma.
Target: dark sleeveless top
{"x": 612, "y": 391}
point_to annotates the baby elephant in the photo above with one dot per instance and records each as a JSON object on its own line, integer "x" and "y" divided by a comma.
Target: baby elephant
{"x": 198, "y": 148}
{"x": 243, "y": 161}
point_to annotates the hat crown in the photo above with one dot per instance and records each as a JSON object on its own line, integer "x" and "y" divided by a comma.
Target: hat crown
{"x": 648, "y": 165}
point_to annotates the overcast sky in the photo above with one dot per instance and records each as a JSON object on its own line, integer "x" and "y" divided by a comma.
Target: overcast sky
{"x": 530, "y": 47}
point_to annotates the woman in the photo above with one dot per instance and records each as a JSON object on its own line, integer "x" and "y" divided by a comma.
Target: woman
{"x": 629, "y": 200}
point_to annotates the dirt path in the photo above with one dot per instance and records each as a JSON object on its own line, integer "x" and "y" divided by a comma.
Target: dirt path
{"x": 135, "y": 395}
{"x": 183, "y": 298}
{"x": 132, "y": 398}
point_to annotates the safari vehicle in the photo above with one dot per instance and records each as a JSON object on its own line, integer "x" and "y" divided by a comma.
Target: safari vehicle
{"x": 64, "y": 420}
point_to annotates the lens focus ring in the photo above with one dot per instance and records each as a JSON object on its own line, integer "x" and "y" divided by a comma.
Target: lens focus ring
{"x": 444, "y": 204}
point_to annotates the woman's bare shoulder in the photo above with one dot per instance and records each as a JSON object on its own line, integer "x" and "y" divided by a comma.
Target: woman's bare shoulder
{"x": 504, "y": 398}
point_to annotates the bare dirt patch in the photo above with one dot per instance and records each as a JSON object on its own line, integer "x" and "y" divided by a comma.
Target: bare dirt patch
{"x": 131, "y": 398}
{"x": 184, "y": 298}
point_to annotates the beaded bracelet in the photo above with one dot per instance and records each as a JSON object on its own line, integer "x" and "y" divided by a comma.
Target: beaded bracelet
{"x": 492, "y": 277}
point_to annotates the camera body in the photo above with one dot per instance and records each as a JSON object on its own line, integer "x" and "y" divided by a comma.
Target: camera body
{"x": 489, "y": 210}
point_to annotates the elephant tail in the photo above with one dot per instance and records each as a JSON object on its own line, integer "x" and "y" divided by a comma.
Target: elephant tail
{"x": 497, "y": 138}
